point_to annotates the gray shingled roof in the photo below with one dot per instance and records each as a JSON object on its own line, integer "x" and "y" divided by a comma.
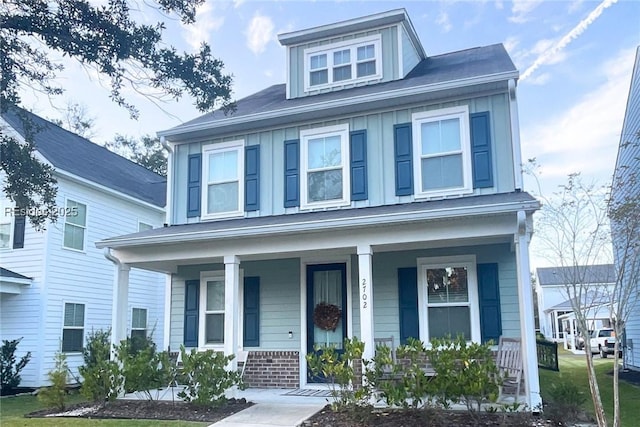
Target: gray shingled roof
{"x": 521, "y": 199}
{"x": 549, "y": 276}
{"x": 79, "y": 156}
{"x": 12, "y": 274}
{"x": 439, "y": 69}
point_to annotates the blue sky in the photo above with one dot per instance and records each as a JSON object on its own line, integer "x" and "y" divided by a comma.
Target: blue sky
{"x": 575, "y": 59}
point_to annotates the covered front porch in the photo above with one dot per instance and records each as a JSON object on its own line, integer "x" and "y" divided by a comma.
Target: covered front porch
{"x": 252, "y": 287}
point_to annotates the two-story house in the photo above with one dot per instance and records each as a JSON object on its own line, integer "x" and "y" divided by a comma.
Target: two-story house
{"x": 626, "y": 243}
{"x": 56, "y": 287}
{"x": 376, "y": 182}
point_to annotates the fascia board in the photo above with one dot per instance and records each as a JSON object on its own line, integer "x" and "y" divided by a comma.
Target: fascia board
{"x": 336, "y": 103}
{"x": 309, "y": 226}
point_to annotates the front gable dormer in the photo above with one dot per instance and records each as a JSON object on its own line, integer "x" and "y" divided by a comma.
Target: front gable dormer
{"x": 363, "y": 51}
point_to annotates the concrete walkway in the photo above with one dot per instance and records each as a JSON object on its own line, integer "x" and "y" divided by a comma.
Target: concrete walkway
{"x": 273, "y": 409}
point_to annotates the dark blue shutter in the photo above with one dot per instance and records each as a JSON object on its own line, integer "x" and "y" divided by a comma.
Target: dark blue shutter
{"x": 191, "y": 304}
{"x": 408, "y": 302}
{"x": 251, "y": 336}
{"x": 489, "y": 293}
{"x": 481, "y": 150}
{"x": 19, "y": 224}
{"x": 292, "y": 173}
{"x": 403, "y": 159}
{"x": 193, "y": 185}
{"x": 252, "y": 178}
{"x": 358, "y": 151}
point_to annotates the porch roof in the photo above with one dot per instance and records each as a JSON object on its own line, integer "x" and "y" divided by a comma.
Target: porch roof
{"x": 332, "y": 219}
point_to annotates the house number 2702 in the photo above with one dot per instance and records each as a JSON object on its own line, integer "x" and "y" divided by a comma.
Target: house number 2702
{"x": 364, "y": 293}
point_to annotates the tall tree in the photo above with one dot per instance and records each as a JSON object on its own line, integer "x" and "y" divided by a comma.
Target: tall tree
{"x": 76, "y": 118}
{"x": 108, "y": 38}
{"x": 147, "y": 151}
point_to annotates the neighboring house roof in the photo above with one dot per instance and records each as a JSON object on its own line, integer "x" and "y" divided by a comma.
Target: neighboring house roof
{"x": 349, "y": 218}
{"x": 591, "y": 274}
{"x": 590, "y": 299}
{"x": 431, "y": 74}
{"x": 78, "y": 156}
{"x": 8, "y": 274}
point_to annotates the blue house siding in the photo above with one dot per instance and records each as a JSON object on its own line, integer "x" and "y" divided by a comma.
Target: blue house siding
{"x": 410, "y": 57}
{"x": 380, "y": 156}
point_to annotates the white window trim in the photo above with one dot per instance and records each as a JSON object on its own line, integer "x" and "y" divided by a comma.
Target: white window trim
{"x": 11, "y": 221}
{"x": 146, "y": 224}
{"x": 461, "y": 113}
{"x": 329, "y": 49}
{"x": 64, "y": 305}
{"x": 202, "y": 310}
{"x": 305, "y": 135}
{"x": 468, "y": 261}
{"x": 67, "y": 213}
{"x": 237, "y": 145}
{"x": 146, "y": 320}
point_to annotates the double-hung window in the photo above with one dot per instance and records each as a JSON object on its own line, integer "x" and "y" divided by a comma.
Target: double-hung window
{"x": 139, "y": 323}
{"x": 342, "y": 63}
{"x": 75, "y": 225}
{"x": 73, "y": 328}
{"x": 6, "y": 222}
{"x": 449, "y": 298}
{"x": 223, "y": 189}
{"x": 212, "y": 300}
{"x": 442, "y": 152}
{"x": 325, "y": 160}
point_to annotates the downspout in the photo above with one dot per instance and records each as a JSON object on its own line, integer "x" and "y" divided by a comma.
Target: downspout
{"x": 169, "y": 204}
{"x": 515, "y": 135}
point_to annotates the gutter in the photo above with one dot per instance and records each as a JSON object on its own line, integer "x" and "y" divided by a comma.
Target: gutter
{"x": 321, "y": 225}
{"x": 341, "y": 102}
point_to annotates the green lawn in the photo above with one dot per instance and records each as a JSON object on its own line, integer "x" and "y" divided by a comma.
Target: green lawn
{"x": 574, "y": 367}
{"x": 12, "y": 410}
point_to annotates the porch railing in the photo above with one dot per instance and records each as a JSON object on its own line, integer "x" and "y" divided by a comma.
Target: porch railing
{"x": 547, "y": 355}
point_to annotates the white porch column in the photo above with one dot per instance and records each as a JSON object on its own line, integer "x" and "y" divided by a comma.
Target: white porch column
{"x": 365, "y": 284}
{"x": 120, "y": 304}
{"x": 231, "y": 306}
{"x": 527, "y": 323}
{"x": 166, "y": 333}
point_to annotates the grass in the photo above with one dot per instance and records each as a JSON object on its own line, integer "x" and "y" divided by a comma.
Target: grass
{"x": 574, "y": 368}
{"x": 13, "y": 409}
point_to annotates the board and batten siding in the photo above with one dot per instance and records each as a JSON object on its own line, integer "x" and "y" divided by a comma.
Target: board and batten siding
{"x": 87, "y": 277}
{"x": 390, "y": 64}
{"x": 410, "y": 57}
{"x": 21, "y": 314}
{"x": 380, "y": 156}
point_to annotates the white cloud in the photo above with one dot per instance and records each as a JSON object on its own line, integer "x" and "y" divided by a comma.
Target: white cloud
{"x": 444, "y": 22}
{"x": 551, "y": 54}
{"x": 510, "y": 44}
{"x": 540, "y": 80}
{"x": 521, "y": 9}
{"x": 238, "y": 3}
{"x": 584, "y": 138}
{"x": 206, "y": 23}
{"x": 259, "y": 33}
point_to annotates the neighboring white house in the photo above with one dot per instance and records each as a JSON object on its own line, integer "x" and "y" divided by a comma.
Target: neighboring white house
{"x": 554, "y": 301}
{"x": 56, "y": 286}
{"x": 626, "y": 188}
{"x": 377, "y": 180}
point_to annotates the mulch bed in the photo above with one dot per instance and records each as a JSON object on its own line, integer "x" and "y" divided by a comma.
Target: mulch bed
{"x": 426, "y": 417}
{"x": 149, "y": 410}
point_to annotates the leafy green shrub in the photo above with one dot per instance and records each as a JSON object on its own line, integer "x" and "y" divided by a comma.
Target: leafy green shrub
{"x": 9, "y": 369}
{"x": 338, "y": 369}
{"x": 143, "y": 368}
{"x": 55, "y": 396}
{"x": 207, "y": 377}
{"x": 563, "y": 401}
{"x": 102, "y": 378}
{"x": 464, "y": 372}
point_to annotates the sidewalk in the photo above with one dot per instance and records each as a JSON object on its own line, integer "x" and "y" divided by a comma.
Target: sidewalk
{"x": 273, "y": 408}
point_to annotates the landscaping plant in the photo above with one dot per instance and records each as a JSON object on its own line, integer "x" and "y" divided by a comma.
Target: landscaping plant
{"x": 143, "y": 368}
{"x": 9, "y": 369}
{"x": 102, "y": 378}
{"x": 208, "y": 377}
{"x": 55, "y": 396}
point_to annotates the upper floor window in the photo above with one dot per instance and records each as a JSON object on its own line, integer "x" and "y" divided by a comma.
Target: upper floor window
{"x": 442, "y": 153}
{"x": 223, "y": 189}
{"x": 325, "y": 160}
{"x": 345, "y": 62}
{"x": 75, "y": 224}
{"x": 6, "y": 217}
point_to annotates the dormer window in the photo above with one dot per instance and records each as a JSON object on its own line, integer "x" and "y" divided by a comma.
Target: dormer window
{"x": 343, "y": 63}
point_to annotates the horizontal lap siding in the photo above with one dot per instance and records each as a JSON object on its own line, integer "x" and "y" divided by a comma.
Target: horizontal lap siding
{"x": 380, "y": 155}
